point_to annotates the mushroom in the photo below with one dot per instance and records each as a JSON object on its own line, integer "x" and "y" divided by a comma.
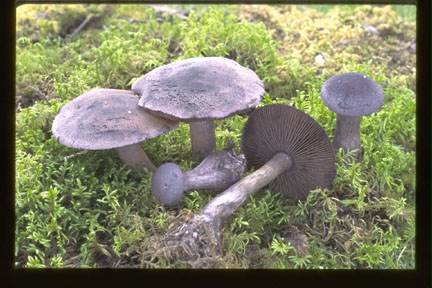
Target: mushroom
{"x": 109, "y": 118}
{"x": 217, "y": 171}
{"x": 197, "y": 91}
{"x": 351, "y": 95}
{"x": 292, "y": 153}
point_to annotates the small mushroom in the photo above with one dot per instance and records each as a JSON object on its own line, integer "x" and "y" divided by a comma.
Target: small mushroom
{"x": 351, "y": 95}
{"x": 292, "y": 153}
{"x": 197, "y": 91}
{"x": 109, "y": 118}
{"x": 217, "y": 171}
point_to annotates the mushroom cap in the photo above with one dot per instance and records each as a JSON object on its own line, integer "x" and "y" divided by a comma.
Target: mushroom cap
{"x": 106, "y": 118}
{"x": 198, "y": 89}
{"x": 281, "y": 128}
{"x": 352, "y": 94}
{"x": 167, "y": 184}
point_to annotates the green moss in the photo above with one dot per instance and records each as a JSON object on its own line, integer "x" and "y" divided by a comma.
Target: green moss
{"x": 38, "y": 21}
{"x": 339, "y": 36}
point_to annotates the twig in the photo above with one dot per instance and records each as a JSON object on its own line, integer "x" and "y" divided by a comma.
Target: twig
{"x": 40, "y": 93}
{"x": 400, "y": 255}
{"x": 72, "y": 156}
{"x": 406, "y": 46}
{"x": 79, "y": 28}
{"x": 131, "y": 20}
{"x": 182, "y": 15}
{"x": 313, "y": 231}
{"x": 381, "y": 59}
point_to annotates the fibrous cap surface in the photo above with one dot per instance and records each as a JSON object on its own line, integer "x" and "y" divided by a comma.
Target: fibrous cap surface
{"x": 199, "y": 88}
{"x": 106, "y": 118}
{"x": 352, "y": 94}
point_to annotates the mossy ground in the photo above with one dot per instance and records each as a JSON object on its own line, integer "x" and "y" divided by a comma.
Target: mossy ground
{"x": 91, "y": 211}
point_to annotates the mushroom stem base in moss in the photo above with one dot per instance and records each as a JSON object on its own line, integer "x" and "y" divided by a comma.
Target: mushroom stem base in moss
{"x": 222, "y": 206}
{"x": 347, "y": 134}
{"x": 203, "y": 138}
{"x": 200, "y": 237}
{"x": 134, "y": 156}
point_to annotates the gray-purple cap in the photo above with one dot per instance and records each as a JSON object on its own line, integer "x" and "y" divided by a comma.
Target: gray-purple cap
{"x": 106, "y": 118}
{"x": 199, "y": 89}
{"x": 352, "y": 94}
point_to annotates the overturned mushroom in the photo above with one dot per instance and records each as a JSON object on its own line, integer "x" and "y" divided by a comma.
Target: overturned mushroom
{"x": 292, "y": 153}
{"x": 109, "y": 118}
{"x": 197, "y": 91}
{"x": 217, "y": 171}
{"x": 351, "y": 95}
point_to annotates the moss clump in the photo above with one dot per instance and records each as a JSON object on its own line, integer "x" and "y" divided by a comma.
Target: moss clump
{"x": 38, "y": 21}
{"x": 340, "y": 38}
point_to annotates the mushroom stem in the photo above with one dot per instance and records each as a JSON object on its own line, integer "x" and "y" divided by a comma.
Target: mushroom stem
{"x": 347, "y": 133}
{"x": 134, "y": 156}
{"x": 224, "y": 205}
{"x": 203, "y": 138}
{"x": 216, "y": 172}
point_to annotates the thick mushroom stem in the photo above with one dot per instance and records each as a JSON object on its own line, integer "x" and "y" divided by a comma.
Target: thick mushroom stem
{"x": 216, "y": 172}
{"x": 347, "y": 133}
{"x": 224, "y": 205}
{"x": 203, "y": 138}
{"x": 134, "y": 156}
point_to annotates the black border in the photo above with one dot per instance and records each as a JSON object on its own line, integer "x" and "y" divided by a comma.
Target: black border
{"x": 420, "y": 277}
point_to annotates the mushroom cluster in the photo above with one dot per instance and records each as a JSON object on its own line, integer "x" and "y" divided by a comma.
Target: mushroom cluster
{"x": 290, "y": 151}
{"x": 194, "y": 90}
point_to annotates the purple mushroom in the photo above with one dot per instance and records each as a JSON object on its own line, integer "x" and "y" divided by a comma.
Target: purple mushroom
{"x": 110, "y": 118}
{"x": 351, "y": 95}
{"x": 197, "y": 91}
